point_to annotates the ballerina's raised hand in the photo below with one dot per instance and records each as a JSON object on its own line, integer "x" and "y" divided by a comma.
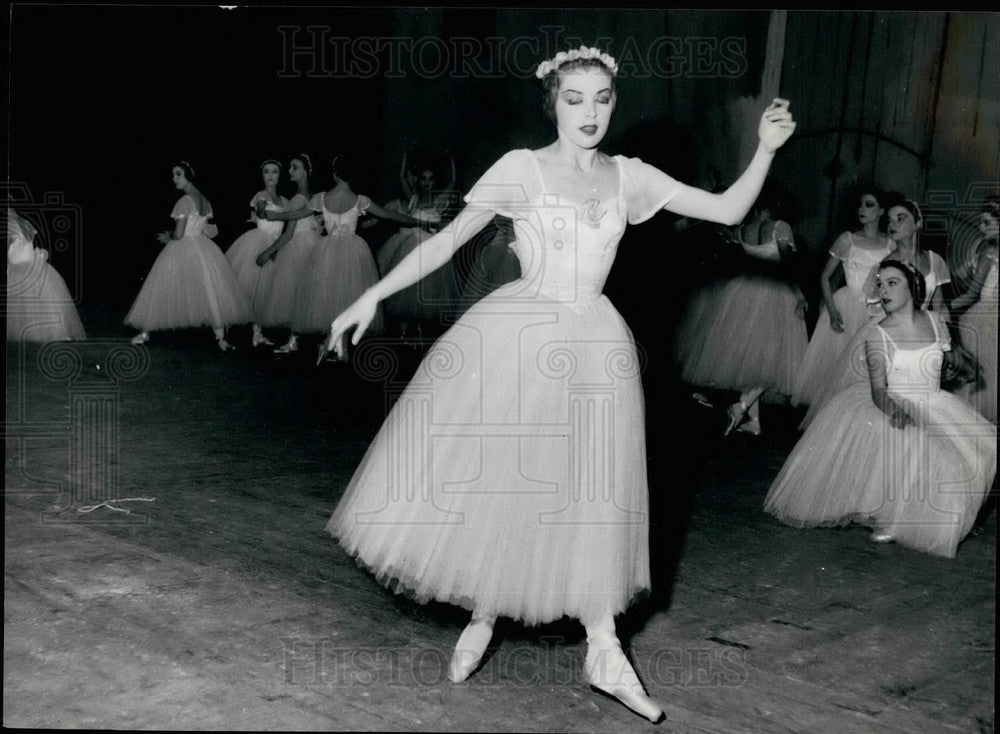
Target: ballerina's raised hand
{"x": 776, "y": 125}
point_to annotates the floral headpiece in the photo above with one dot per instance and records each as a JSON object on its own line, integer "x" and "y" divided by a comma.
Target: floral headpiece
{"x": 577, "y": 53}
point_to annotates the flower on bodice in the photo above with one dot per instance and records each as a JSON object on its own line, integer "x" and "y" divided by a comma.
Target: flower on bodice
{"x": 591, "y": 212}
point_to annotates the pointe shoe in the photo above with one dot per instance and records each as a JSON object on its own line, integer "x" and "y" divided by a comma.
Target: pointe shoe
{"x": 469, "y": 649}
{"x": 752, "y": 426}
{"x": 609, "y": 671}
{"x": 736, "y": 412}
{"x": 292, "y": 345}
{"x": 259, "y": 340}
{"x": 880, "y": 537}
{"x": 225, "y": 346}
{"x": 141, "y": 338}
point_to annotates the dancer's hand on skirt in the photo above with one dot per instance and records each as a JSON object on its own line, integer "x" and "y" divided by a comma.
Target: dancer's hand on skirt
{"x": 776, "y": 125}
{"x": 836, "y": 321}
{"x": 359, "y": 314}
{"x": 163, "y": 238}
{"x": 900, "y": 413}
{"x": 801, "y": 306}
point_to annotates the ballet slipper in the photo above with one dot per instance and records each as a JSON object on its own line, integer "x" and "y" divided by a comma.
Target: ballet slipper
{"x": 292, "y": 345}
{"x": 880, "y": 537}
{"x": 225, "y": 346}
{"x": 140, "y": 338}
{"x": 609, "y": 671}
{"x": 736, "y": 412}
{"x": 469, "y": 649}
{"x": 752, "y": 426}
{"x": 259, "y": 340}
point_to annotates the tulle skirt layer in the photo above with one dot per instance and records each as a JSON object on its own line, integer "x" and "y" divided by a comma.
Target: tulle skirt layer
{"x": 339, "y": 271}
{"x": 511, "y": 474}
{"x": 39, "y": 305}
{"x": 190, "y": 284}
{"x": 742, "y": 333}
{"x": 826, "y": 347}
{"x": 254, "y": 279}
{"x": 291, "y": 270}
{"x": 922, "y": 484}
{"x": 978, "y": 330}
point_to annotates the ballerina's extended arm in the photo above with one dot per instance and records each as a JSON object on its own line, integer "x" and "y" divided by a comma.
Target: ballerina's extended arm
{"x": 730, "y": 206}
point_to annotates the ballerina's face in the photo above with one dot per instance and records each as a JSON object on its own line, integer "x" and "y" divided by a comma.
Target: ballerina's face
{"x": 296, "y": 170}
{"x": 426, "y": 181}
{"x": 902, "y": 225}
{"x": 584, "y": 104}
{"x": 178, "y": 176}
{"x": 869, "y": 209}
{"x": 988, "y": 224}
{"x": 893, "y": 289}
{"x": 271, "y": 173}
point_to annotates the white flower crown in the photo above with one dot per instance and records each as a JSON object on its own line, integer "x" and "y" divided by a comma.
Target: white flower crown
{"x": 577, "y": 53}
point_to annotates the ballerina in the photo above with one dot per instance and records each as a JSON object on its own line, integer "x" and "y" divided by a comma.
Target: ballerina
{"x": 421, "y": 304}
{"x": 190, "y": 283}
{"x": 905, "y": 222}
{"x": 978, "y": 325}
{"x": 242, "y": 254}
{"x": 39, "y": 305}
{"x": 341, "y": 267}
{"x": 493, "y": 518}
{"x": 291, "y": 252}
{"x": 846, "y": 311}
{"x": 898, "y": 453}
{"x": 749, "y": 333}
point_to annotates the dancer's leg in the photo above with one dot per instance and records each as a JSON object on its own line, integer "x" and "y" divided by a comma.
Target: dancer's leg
{"x": 608, "y": 670}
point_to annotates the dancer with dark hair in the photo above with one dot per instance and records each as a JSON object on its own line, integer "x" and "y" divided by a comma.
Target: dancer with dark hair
{"x": 503, "y": 480}
{"x": 190, "y": 283}
{"x": 978, "y": 325}
{"x": 341, "y": 267}
{"x": 242, "y": 254}
{"x": 846, "y": 311}
{"x": 291, "y": 252}
{"x": 898, "y": 453}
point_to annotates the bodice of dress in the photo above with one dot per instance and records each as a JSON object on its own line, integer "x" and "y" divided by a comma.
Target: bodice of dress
{"x": 306, "y": 224}
{"x": 767, "y": 251}
{"x": 859, "y": 263}
{"x": 915, "y": 371}
{"x": 187, "y": 209}
{"x": 566, "y": 248}
{"x": 345, "y": 222}
{"x": 271, "y": 227}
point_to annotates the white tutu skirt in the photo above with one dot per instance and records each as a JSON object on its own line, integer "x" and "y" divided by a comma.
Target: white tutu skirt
{"x": 291, "y": 270}
{"x": 190, "y": 284}
{"x": 340, "y": 270}
{"x": 254, "y": 279}
{"x": 978, "y": 329}
{"x": 922, "y": 484}
{"x": 510, "y": 476}
{"x": 742, "y": 333}
{"x": 39, "y": 305}
{"x": 826, "y": 347}
{"x": 430, "y": 297}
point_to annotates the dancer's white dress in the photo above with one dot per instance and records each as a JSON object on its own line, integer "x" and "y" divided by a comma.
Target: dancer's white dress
{"x": 922, "y": 484}
{"x": 39, "y": 305}
{"x": 340, "y": 270}
{"x": 744, "y": 332}
{"x": 190, "y": 283}
{"x": 850, "y": 368}
{"x": 511, "y": 474}
{"x": 242, "y": 254}
{"x": 978, "y": 328}
{"x": 826, "y": 347}
{"x": 291, "y": 267}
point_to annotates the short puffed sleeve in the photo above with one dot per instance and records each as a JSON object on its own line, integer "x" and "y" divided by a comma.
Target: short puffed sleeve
{"x": 647, "y": 189}
{"x": 842, "y": 247}
{"x": 299, "y": 201}
{"x": 184, "y": 207}
{"x": 259, "y": 196}
{"x": 363, "y": 203}
{"x": 939, "y": 268}
{"x": 508, "y": 187}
